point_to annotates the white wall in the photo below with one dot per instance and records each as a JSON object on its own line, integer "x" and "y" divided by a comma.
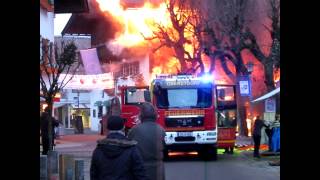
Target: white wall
{"x": 46, "y": 24}
{"x": 145, "y": 69}
{"x": 96, "y": 95}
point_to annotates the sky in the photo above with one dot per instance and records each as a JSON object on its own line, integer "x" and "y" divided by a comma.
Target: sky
{"x": 60, "y": 21}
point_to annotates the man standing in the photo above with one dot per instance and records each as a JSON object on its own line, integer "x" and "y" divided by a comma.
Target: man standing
{"x": 258, "y": 124}
{"x": 44, "y": 127}
{"x": 150, "y": 138}
{"x": 116, "y": 157}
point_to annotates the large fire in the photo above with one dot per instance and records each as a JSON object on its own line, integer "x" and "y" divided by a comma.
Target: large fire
{"x": 137, "y": 22}
{"x": 140, "y": 23}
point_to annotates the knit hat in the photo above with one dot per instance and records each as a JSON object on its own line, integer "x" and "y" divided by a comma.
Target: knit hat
{"x": 115, "y": 123}
{"x": 148, "y": 112}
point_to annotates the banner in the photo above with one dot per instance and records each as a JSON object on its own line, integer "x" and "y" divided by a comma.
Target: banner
{"x": 245, "y": 86}
{"x": 91, "y": 61}
{"x": 88, "y": 82}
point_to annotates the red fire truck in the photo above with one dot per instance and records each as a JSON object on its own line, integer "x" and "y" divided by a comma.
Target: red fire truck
{"x": 196, "y": 113}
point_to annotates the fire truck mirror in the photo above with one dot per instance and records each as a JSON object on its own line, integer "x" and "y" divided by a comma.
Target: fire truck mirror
{"x": 147, "y": 96}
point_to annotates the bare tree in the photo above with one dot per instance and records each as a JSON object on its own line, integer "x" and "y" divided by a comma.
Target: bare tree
{"x": 185, "y": 25}
{"x": 52, "y": 65}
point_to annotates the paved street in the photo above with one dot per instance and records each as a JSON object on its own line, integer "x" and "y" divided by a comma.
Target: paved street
{"x": 240, "y": 165}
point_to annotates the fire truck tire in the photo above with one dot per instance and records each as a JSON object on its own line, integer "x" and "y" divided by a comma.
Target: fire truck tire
{"x": 209, "y": 152}
{"x": 165, "y": 154}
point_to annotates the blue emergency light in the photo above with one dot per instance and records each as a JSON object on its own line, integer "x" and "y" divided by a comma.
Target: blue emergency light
{"x": 206, "y": 78}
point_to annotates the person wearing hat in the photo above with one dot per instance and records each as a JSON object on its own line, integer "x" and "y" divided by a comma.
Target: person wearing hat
{"x": 150, "y": 138}
{"x": 116, "y": 157}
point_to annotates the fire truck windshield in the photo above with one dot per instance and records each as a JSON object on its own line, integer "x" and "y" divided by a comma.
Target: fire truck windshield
{"x": 135, "y": 97}
{"x": 184, "y": 98}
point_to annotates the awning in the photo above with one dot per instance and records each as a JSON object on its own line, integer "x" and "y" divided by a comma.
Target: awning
{"x": 268, "y": 95}
{"x": 81, "y": 106}
{"x": 57, "y": 105}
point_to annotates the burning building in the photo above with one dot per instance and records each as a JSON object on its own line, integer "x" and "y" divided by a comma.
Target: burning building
{"x": 121, "y": 30}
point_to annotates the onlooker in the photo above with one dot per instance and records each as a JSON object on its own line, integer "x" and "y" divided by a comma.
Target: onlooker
{"x": 150, "y": 138}
{"x": 258, "y": 124}
{"x": 44, "y": 127}
{"x": 116, "y": 157}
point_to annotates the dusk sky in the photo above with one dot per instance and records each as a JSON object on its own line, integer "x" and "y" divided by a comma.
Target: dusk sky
{"x": 60, "y": 21}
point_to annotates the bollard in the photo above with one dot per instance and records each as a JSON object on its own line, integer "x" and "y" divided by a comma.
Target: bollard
{"x": 66, "y": 167}
{"x": 43, "y": 167}
{"x": 53, "y": 162}
{"x": 79, "y": 169}
{"x": 69, "y": 174}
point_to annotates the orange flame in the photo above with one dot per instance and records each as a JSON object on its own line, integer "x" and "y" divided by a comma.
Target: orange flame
{"x": 138, "y": 22}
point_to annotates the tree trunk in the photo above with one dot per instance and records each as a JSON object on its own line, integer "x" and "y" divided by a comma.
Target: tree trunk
{"x": 241, "y": 111}
{"x": 241, "y": 100}
{"x": 180, "y": 55}
{"x": 49, "y": 101}
{"x": 268, "y": 74}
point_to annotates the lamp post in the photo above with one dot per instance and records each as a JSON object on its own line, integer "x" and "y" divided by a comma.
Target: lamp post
{"x": 249, "y": 66}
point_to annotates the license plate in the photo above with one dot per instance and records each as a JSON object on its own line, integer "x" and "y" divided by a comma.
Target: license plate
{"x": 184, "y": 134}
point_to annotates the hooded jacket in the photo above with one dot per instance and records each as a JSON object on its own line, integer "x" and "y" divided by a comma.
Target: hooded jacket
{"x": 117, "y": 158}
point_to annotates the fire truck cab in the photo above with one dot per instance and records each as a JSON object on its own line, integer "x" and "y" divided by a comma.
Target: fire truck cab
{"x": 186, "y": 109}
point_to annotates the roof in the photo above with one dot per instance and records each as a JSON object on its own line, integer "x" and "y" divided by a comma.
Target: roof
{"x": 71, "y": 6}
{"x": 94, "y": 23}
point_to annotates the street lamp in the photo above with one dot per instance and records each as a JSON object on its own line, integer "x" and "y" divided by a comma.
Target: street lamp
{"x": 249, "y": 67}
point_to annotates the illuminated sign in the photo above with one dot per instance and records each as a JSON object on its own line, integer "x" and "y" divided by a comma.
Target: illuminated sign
{"x": 184, "y": 112}
{"x": 182, "y": 83}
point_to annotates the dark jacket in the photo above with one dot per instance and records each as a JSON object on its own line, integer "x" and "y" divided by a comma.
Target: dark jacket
{"x": 44, "y": 125}
{"x": 258, "y": 124}
{"x": 150, "y": 138}
{"x": 117, "y": 158}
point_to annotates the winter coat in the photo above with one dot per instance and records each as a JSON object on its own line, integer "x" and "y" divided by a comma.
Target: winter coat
{"x": 117, "y": 158}
{"x": 258, "y": 124}
{"x": 150, "y": 138}
{"x": 44, "y": 125}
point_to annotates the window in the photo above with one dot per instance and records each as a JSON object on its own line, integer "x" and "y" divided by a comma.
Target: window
{"x": 100, "y": 108}
{"x": 94, "y": 113}
{"x": 135, "y": 97}
{"x": 128, "y": 69}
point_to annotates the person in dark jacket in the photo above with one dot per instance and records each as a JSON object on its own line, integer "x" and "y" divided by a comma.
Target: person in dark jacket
{"x": 44, "y": 127}
{"x": 150, "y": 138}
{"x": 116, "y": 157}
{"x": 258, "y": 124}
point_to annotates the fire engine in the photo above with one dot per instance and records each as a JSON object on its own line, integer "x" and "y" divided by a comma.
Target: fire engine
{"x": 186, "y": 110}
{"x": 196, "y": 113}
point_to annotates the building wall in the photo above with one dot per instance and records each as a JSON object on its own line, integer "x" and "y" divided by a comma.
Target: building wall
{"x": 145, "y": 69}
{"x": 46, "y": 24}
{"x": 97, "y": 95}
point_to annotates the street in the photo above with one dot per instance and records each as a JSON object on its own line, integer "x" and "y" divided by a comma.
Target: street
{"x": 240, "y": 165}
{"x": 227, "y": 167}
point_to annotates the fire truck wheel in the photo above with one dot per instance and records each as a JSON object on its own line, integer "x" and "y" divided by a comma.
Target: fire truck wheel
{"x": 165, "y": 154}
{"x": 208, "y": 153}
